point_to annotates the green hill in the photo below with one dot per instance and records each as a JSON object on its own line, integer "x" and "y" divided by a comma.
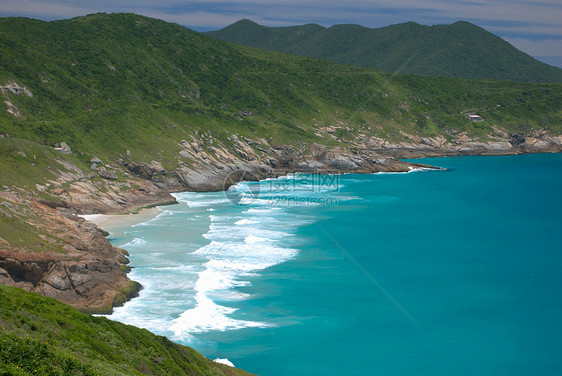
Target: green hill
{"x": 105, "y": 84}
{"x": 109, "y": 83}
{"x": 457, "y": 50}
{"x": 40, "y": 336}
{"x": 158, "y": 106}
{"x": 118, "y": 85}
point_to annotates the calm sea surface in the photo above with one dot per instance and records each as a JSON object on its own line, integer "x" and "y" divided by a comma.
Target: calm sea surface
{"x": 452, "y": 272}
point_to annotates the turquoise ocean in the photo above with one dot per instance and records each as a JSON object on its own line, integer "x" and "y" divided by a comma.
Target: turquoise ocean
{"x": 449, "y": 272}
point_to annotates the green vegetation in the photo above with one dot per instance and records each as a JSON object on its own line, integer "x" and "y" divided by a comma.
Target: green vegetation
{"x": 458, "y": 50}
{"x": 30, "y": 162}
{"x": 120, "y": 84}
{"x": 41, "y": 336}
{"x": 106, "y": 84}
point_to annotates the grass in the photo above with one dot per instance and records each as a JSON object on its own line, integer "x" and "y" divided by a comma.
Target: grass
{"x": 42, "y": 336}
{"x": 108, "y": 84}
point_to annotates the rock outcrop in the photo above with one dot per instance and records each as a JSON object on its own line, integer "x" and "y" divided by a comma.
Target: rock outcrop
{"x": 15, "y": 88}
{"x": 500, "y": 143}
{"x": 72, "y": 261}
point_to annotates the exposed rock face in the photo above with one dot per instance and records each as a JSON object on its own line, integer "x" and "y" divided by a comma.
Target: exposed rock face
{"x": 77, "y": 265}
{"x": 111, "y": 197}
{"x": 139, "y": 170}
{"x": 107, "y": 174}
{"x": 15, "y": 88}
{"x": 64, "y": 148}
{"x": 81, "y": 268}
{"x": 501, "y": 144}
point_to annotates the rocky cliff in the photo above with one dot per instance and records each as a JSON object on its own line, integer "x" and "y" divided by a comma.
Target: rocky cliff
{"x": 54, "y": 252}
{"x": 65, "y": 257}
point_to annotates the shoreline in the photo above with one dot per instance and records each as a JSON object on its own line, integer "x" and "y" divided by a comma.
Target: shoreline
{"x": 146, "y": 212}
{"x": 109, "y": 221}
{"x": 84, "y": 233}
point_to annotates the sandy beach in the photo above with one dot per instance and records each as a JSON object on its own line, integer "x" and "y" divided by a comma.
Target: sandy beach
{"x": 109, "y": 221}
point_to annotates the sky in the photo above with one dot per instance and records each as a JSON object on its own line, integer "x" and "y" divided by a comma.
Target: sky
{"x": 534, "y": 27}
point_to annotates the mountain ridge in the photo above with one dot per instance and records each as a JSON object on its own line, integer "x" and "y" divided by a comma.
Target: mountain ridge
{"x": 108, "y": 113}
{"x": 145, "y": 108}
{"x": 460, "y": 49}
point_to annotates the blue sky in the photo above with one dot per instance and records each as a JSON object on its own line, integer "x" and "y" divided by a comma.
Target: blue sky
{"x": 534, "y": 27}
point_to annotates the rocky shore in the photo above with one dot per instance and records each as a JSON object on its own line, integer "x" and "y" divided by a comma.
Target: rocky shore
{"x": 71, "y": 260}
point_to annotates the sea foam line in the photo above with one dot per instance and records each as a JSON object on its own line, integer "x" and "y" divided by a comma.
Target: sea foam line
{"x": 238, "y": 249}
{"x": 244, "y": 240}
{"x": 412, "y": 169}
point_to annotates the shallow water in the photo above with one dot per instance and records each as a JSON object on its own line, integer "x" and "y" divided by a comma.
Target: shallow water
{"x": 454, "y": 272}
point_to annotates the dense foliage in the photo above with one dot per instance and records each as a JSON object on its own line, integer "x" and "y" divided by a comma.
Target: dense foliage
{"x": 108, "y": 84}
{"x": 458, "y": 50}
{"x": 105, "y": 84}
{"x": 41, "y": 336}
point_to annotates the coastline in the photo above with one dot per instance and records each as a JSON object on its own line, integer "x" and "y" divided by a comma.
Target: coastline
{"x": 108, "y": 221}
{"x": 81, "y": 216}
{"x": 191, "y": 314}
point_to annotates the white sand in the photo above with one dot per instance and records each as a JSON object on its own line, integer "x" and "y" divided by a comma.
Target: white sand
{"x": 108, "y": 221}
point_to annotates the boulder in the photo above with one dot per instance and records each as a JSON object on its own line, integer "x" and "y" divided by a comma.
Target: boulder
{"x": 109, "y": 175}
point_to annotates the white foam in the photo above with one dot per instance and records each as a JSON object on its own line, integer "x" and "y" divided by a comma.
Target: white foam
{"x": 251, "y": 239}
{"x": 420, "y": 169}
{"x": 245, "y": 222}
{"x": 199, "y": 200}
{"x": 289, "y": 176}
{"x": 261, "y": 210}
{"x": 349, "y": 198}
{"x": 231, "y": 295}
{"x": 412, "y": 169}
{"x": 243, "y": 257}
{"x": 224, "y": 361}
{"x": 229, "y": 261}
{"x": 227, "y": 233}
{"x": 210, "y": 278}
{"x": 135, "y": 243}
{"x": 207, "y": 316}
{"x": 252, "y": 200}
{"x": 154, "y": 317}
{"x": 181, "y": 268}
{"x": 201, "y": 204}
{"x": 159, "y": 216}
